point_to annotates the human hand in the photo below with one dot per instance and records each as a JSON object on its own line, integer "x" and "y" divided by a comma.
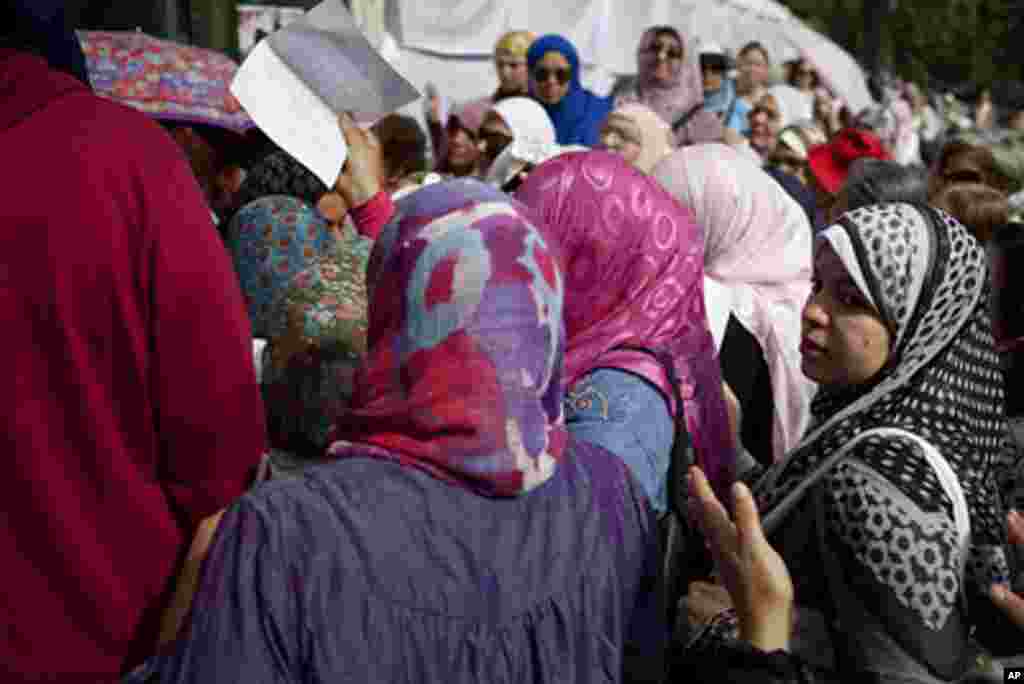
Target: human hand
{"x": 188, "y": 579}
{"x": 751, "y": 570}
{"x": 434, "y": 109}
{"x": 732, "y": 406}
{"x": 1010, "y": 603}
{"x": 705, "y": 601}
{"x": 360, "y": 178}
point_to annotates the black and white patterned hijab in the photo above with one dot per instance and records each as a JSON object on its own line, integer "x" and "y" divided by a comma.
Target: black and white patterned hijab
{"x": 927, "y": 277}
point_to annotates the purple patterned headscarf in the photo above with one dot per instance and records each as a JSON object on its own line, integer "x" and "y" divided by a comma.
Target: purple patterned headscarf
{"x": 634, "y": 265}
{"x": 463, "y": 375}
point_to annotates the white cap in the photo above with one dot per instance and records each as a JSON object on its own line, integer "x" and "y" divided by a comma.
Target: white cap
{"x": 712, "y": 49}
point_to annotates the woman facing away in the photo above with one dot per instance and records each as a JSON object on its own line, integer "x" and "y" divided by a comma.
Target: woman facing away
{"x": 304, "y": 283}
{"x": 460, "y": 533}
{"x": 669, "y": 82}
{"x": 892, "y": 492}
{"x": 640, "y": 359}
{"x": 757, "y": 247}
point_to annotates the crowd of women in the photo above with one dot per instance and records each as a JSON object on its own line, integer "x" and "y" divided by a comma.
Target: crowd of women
{"x": 706, "y": 381}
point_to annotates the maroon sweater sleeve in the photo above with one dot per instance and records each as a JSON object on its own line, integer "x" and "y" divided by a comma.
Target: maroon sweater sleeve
{"x": 370, "y": 218}
{"x": 131, "y": 408}
{"x": 209, "y": 414}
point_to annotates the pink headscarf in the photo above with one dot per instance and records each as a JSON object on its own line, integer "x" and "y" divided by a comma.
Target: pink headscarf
{"x": 472, "y": 114}
{"x": 758, "y": 245}
{"x": 633, "y": 259}
{"x": 674, "y": 98}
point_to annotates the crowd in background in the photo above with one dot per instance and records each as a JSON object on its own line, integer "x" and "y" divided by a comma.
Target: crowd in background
{"x": 707, "y": 380}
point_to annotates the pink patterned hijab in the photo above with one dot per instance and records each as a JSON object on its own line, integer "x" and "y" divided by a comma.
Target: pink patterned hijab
{"x": 634, "y": 264}
{"x": 758, "y": 246}
{"x": 675, "y": 98}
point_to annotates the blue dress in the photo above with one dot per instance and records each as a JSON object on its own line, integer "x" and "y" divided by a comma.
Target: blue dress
{"x": 628, "y": 416}
{"x": 367, "y": 571}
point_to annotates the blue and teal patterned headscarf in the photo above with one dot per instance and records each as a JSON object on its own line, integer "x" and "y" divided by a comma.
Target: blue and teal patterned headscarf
{"x": 271, "y": 240}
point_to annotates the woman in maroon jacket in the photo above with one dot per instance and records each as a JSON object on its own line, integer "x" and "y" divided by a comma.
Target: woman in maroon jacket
{"x": 131, "y": 409}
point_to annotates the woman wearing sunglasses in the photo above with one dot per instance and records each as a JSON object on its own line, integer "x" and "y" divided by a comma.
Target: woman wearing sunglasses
{"x": 576, "y": 112}
{"x": 669, "y": 82}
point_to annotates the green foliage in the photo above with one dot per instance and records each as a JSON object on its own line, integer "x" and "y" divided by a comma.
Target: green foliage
{"x": 981, "y": 41}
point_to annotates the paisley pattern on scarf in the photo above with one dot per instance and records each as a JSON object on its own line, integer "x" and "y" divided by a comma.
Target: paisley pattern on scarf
{"x": 317, "y": 329}
{"x": 271, "y": 240}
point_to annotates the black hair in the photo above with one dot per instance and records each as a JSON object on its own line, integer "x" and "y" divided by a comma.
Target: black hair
{"x": 46, "y": 33}
{"x": 720, "y": 62}
{"x": 403, "y": 144}
{"x": 755, "y": 45}
{"x": 667, "y": 31}
{"x": 873, "y": 181}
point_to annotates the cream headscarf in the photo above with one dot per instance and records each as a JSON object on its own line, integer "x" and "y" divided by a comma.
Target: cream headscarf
{"x": 655, "y": 135}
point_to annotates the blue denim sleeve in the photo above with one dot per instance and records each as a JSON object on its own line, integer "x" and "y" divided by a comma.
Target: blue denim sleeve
{"x": 628, "y": 416}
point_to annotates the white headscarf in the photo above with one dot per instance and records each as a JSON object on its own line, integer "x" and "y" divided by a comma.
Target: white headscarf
{"x": 758, "y": 244}
{"x": 527, "y": 120}
{"x": 533, "y": 138}
{"x": 520, "y": 153}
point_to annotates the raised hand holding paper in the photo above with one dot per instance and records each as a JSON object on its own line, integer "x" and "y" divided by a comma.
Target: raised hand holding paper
{"x": 296, "y": 82}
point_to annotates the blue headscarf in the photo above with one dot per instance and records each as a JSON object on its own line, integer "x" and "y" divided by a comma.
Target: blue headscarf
{"x": 40, "y": 25}
{"x": 579, "y": 115}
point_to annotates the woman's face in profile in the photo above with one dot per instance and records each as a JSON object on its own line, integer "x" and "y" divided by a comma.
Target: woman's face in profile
{"x": 844, "y": 341}
{"x": 495, "y": 136}
{"x": 621, "y": 135}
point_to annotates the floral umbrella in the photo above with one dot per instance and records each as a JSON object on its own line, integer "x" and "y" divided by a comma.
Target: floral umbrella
{"x": 166, "y": 80}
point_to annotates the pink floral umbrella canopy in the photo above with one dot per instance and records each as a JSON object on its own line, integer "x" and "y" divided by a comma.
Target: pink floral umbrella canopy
{"x": 167, "y": 80}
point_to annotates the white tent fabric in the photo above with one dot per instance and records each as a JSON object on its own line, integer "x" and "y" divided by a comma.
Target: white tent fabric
{"x": 606, "y": 33}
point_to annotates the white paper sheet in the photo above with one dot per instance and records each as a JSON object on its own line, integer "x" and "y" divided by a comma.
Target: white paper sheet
{"x": 296, "y": 82}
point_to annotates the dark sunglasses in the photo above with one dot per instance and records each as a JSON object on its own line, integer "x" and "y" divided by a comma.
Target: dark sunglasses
{"x": 542, "y": 74}
{"x": 662, "y": 49}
